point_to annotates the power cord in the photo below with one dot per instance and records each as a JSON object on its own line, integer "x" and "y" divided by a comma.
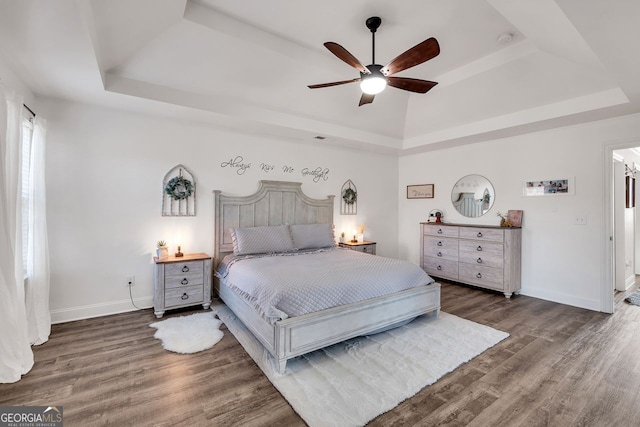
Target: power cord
{"x": 131, "y": 297}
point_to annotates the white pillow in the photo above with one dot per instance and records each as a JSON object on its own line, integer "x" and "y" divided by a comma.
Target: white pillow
{"x": 260, "y": 240}
{"x": 312, "y": 236}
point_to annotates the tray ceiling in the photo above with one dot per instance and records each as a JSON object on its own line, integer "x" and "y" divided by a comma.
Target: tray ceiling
{"x": 247, "y": 64}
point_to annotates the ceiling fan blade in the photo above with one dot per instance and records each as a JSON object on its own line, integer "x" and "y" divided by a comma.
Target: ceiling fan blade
{"x": 416, "y": 55}
{"x": 333, "y": 83}
{"x": 412, "y": 85}
{"x": 366, "y": 99}
{"x": 344, "y": 55}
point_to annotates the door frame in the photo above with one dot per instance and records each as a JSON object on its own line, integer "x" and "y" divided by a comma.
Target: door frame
{"x": 607, "y": 289}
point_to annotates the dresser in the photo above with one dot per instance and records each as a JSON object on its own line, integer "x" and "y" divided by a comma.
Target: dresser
{"x": 484, "y": 256}
{"x": 365, "y": 247}
{"x": 181, "y": 282}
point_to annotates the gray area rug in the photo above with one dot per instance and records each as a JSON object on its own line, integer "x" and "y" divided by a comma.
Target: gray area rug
{"x": 634, "y": 298}
{"x": 350, "y": 383}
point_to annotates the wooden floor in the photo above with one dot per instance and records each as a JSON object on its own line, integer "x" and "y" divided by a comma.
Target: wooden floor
{"x": 562, "y": 366}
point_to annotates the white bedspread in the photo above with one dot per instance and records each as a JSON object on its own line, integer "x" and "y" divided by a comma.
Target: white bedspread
{"x": 282, "y": 286}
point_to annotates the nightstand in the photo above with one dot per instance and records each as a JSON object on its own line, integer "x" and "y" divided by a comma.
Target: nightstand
{"x": 181, "y": 282}
{"x": 366, "y": 247}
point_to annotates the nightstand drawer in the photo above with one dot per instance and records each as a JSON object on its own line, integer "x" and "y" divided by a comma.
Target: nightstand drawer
{"x": 367, "y": 249}
{"x": 183, "y": 296}
{"x": 364, "y": 247}
{"x": 184, "y": 280}
{"x": 181, "y": 268}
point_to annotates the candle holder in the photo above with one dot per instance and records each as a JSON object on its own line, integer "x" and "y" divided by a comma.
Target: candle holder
{"x": 178, "y": 254}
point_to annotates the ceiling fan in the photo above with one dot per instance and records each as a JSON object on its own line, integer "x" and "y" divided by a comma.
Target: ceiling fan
{"x": 374, "y": 77}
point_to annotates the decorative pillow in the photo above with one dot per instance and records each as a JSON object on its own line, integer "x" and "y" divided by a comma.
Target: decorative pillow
{"x": 260, "y": 240}
{"x": 312, "y": 236}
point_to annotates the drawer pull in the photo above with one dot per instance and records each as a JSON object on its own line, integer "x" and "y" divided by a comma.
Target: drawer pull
{"x": 185, "y": 269}
{"x": 479, "y": 260}
{"x": 439, "y": 267}
{"x": 184, "y": 296}
{"x": 439, "y": 243}
{"x": 185, "y": 281}
{"x": 439, "y": 254}
{"x": 365, "y": 249}
{"x": 479, "y": 275}
{"x": 479, "y": 249}
{"x": 439, "y": 230}
{"x": 479, "y": 234}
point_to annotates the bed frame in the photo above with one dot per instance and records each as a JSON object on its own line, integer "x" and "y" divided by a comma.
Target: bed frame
{"x": 280, "y": 202}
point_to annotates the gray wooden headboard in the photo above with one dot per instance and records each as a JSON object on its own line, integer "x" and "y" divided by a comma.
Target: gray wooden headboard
{"x": 275, "y": 203}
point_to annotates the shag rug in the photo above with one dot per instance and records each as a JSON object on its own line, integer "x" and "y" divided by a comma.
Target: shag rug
{"x": 350, "y": 383}
{"x": 633, "y": 298}
{"x": 189, "y": 334}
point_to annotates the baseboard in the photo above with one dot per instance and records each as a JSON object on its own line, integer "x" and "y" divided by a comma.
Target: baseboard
{"x": 563, "y": 299}
{"x": 97, "y": 310}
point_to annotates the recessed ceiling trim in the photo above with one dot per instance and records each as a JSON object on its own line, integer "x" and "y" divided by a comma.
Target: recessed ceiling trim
{"x": 486, "y": 63}
{"x": 211, "y": 18}
{"x": 600, "y": 100}
{"x": 238, "y": 108}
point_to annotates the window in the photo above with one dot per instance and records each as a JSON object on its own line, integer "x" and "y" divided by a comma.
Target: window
{"x": 27, "y": 177}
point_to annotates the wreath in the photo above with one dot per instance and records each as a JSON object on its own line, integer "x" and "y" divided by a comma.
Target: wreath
{"x": 349, "y": 196}
{"x": 179, "y": 188}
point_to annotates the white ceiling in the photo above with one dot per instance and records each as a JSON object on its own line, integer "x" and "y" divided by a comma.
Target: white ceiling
{"x": 246, "y": 64}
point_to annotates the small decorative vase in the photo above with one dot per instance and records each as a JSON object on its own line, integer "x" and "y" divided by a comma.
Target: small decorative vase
{"x": 162, "y": 252}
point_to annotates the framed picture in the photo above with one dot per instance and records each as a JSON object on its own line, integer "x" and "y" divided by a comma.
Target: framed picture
{"x": 549, "y": 187}
{"x": 515, "y": 218}
{"x": 422, "y": 191}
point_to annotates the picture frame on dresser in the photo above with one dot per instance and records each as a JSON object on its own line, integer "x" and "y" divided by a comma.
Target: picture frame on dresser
{"x": 421, "y": 191}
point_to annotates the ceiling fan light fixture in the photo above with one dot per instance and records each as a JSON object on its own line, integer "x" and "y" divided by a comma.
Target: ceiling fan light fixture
{"x": 373, "y": 84}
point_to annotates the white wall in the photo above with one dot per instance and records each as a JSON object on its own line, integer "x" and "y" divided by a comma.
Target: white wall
{"x": 104, "y": 190}
{"x": 561, "y": 261}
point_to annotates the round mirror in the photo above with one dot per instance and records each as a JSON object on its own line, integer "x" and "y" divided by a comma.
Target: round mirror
{"x": 473, "y": 195}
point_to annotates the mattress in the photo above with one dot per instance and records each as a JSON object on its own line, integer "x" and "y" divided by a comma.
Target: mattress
{"x": 286, "y": 285}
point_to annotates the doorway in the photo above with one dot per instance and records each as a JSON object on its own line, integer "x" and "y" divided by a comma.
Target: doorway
{"x": 623, "y": 226}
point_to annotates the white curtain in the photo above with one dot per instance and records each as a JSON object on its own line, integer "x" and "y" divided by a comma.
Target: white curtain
{"x": 37, "y": 284}
{"x": 16, "y": 357}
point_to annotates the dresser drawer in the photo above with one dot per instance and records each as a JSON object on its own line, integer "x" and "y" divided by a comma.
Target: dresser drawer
{"x": 183, "y": 296}
{"x": 180, "y": 268}
{"x": 483, "y": 253}
{"x": 441, "y": 267}
{"x": 484, "y": 276}
{"x": 441, "y": 247}
{"x": 442, "y": 231}
{"x": 186, "y": 279}
{"x": 482, "y": 234}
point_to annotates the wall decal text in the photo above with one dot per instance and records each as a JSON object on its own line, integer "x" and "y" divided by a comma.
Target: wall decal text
{"x": 237, "y": 162}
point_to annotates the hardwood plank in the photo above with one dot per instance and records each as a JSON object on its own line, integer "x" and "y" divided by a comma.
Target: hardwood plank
{"x": 561, "y": 366}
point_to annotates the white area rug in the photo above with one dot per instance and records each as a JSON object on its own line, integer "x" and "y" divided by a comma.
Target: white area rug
{"x": 189, "y": 334}
{"x": 350, "y": 383}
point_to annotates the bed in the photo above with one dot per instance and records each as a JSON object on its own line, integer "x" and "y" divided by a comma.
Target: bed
{"x": 279, "y": 204}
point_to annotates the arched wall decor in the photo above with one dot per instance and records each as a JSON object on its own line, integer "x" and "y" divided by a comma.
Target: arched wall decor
{"x": 179, "y": 192}
{"x": 349, "y": 199}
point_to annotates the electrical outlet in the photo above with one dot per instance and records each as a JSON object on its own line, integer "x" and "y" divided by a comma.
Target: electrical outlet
{"x": 580, "y": 220}
{"x": 130, "y": 281}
